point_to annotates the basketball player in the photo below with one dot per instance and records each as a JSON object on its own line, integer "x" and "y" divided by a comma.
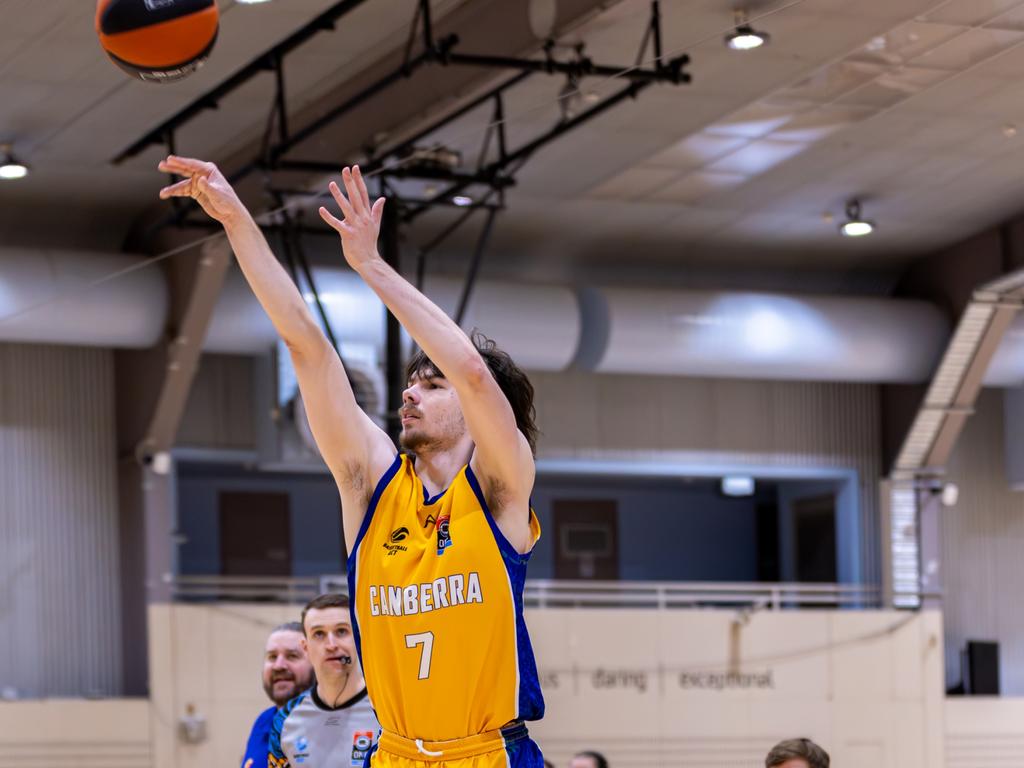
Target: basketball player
{"x": 286, "y": 673}
{"x": 332, "y": 724}
{"x": 439, "y": 535}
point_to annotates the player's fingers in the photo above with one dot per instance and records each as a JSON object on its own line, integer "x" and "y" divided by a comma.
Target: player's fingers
{"x": 333, "y": 222}
{"x": 191, "y": 164}
{"x": 364, "y": 196}
{"x": 355, "y": 198}
{"x": 378, "y": 210}
{"x": 180, "y": 189}
{"x": 343, "y": 202}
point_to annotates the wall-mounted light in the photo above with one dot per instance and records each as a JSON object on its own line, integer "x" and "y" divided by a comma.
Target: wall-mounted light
{"x": 10, "y": 167}
{"x": 855, "y": 225}
{"x": 745, "y": 37}
{"x": 738, "y": 486}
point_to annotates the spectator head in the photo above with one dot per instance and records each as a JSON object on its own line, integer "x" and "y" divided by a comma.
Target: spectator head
{"x": 797, "y": 753}
{"x": 286, "y": 670}
{"x": 588, "y": 759}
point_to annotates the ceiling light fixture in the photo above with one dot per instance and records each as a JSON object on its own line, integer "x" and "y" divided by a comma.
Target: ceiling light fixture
{"x": 745, "y": 37}
{"x": 252, "y": 2}
{"x": 855, "y": 226}
{"x": 10, "y": 167}
{"x": 462, "y": 200}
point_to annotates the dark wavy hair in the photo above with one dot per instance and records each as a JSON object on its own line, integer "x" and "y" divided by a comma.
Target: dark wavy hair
{"x": 797, "y": 749}
{"x": 514, "y": 383}
{"x": 600, "y": 761}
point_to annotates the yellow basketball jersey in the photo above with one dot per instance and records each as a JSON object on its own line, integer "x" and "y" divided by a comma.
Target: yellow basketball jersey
{"x": 437, "y": 605}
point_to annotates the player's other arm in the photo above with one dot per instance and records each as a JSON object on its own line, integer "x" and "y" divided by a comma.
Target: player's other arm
{"x": 502, "y": 457}
{"x": 356, "y": 450}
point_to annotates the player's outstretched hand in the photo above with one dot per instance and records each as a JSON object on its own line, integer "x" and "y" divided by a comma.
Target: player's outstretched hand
{"x": 205, "y": 184}
{"x": 361, "y": 223}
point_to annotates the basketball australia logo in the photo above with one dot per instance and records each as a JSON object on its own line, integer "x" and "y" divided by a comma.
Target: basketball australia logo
{"x": 397, "y": 535}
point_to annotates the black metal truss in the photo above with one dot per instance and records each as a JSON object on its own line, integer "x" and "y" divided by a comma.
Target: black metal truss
{"x": 444, "y": 52}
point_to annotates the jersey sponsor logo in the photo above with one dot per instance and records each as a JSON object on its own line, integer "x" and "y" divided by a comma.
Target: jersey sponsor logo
{"x": 397, "y": 535}
{"x": 445, "y": 592}
{"x": 301, "y": 749}
{"x": 361, "y": 743}
{"x": 444, "y": 536}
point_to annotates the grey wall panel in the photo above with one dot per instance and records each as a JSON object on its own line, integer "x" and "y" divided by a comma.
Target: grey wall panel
{"x": 983, "y": 548}
{"x": 719, "y": 422}
{"x": 59, "y": 589}
{"x": 219, "y": 412}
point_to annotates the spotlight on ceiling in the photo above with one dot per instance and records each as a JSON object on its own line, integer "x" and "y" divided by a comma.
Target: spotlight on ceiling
{"x": 252, "y": 2}
{"x": 855, "y": 226}
{"x": 462, "y": 200}
{"x": 10, "y": 167}
{"x": 745, "y": 37}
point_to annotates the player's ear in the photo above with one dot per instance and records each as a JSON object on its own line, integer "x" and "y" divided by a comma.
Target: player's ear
{"x": 305, "y": 645}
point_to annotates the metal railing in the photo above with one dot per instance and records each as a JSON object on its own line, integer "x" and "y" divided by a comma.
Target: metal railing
{"x": 544, "y": 593}
{"x": 268, "y": 589}
{"x": 550, "y": 593}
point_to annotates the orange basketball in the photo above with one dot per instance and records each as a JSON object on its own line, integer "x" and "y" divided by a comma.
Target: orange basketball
{"x": 158, "y": 41}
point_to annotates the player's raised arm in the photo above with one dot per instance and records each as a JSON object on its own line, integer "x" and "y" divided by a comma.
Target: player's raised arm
{"x": 355, "y": 449}
{"x": 502, "y": 459}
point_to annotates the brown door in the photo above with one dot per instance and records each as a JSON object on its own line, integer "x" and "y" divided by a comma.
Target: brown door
{"x": 586, "y": 543}
{"x": 814, "y": 526}
{"x": 255, "y": 534}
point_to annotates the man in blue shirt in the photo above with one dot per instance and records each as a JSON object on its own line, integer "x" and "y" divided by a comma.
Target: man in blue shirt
{"x": 286, "y": 673}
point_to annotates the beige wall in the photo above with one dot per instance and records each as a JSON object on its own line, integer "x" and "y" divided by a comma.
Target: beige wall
{"x": 984, "y": 732}
{"x": 867, "y": 684}
{"x": 65, "y": 733}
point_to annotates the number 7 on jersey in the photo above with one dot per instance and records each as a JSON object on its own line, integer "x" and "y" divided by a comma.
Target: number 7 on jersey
{"x": 426, "y": 639}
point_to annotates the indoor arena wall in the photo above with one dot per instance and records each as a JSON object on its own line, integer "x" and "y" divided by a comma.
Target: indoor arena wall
{"x": 59, "y": 579}
{"x": 700, "y": 689}
{"x": 720, "y": 423}
{"x": 982, "y": 539}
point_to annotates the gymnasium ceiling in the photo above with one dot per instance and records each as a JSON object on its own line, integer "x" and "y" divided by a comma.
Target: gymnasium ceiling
{"x": 914, "y": 106}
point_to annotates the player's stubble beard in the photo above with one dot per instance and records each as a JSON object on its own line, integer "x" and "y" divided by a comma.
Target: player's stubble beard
{"x": 419, "y": 441}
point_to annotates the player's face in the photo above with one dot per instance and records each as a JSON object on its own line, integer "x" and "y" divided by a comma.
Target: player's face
{"x": 286, "y": 670}
{"x": 796, "y": 762}
{"x": 329, "y": 641}
{"x": 583, "y": 761}
{"x": 431, "y": 414}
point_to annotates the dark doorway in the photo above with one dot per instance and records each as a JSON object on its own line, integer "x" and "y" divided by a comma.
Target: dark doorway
{"x": 586, "y": 540}
{"x": 814, "y": 530}
{"x": 255, "y": 534}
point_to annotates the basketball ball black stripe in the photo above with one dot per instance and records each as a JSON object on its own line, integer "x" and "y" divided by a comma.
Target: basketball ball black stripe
{"x": 128, "y": 15}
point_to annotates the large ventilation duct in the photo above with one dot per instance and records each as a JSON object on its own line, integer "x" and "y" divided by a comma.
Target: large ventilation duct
{"x": 63, "y": 297}
{"x": 538, "y": 325}
{"x": 689, "y": 333}
{"x": 764, "y": 336}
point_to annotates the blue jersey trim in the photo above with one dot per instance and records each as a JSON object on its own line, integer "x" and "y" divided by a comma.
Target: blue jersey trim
{"x": 277, "y": 728}
{"x": 350, "y": 566}
{"x": 378, "y": 491}
{"x": 504, "y": 544}
{"x": 531, "y": 699}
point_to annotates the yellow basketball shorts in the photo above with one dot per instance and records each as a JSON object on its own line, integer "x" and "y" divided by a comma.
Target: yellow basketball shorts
{"x": 508, "y": 747}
